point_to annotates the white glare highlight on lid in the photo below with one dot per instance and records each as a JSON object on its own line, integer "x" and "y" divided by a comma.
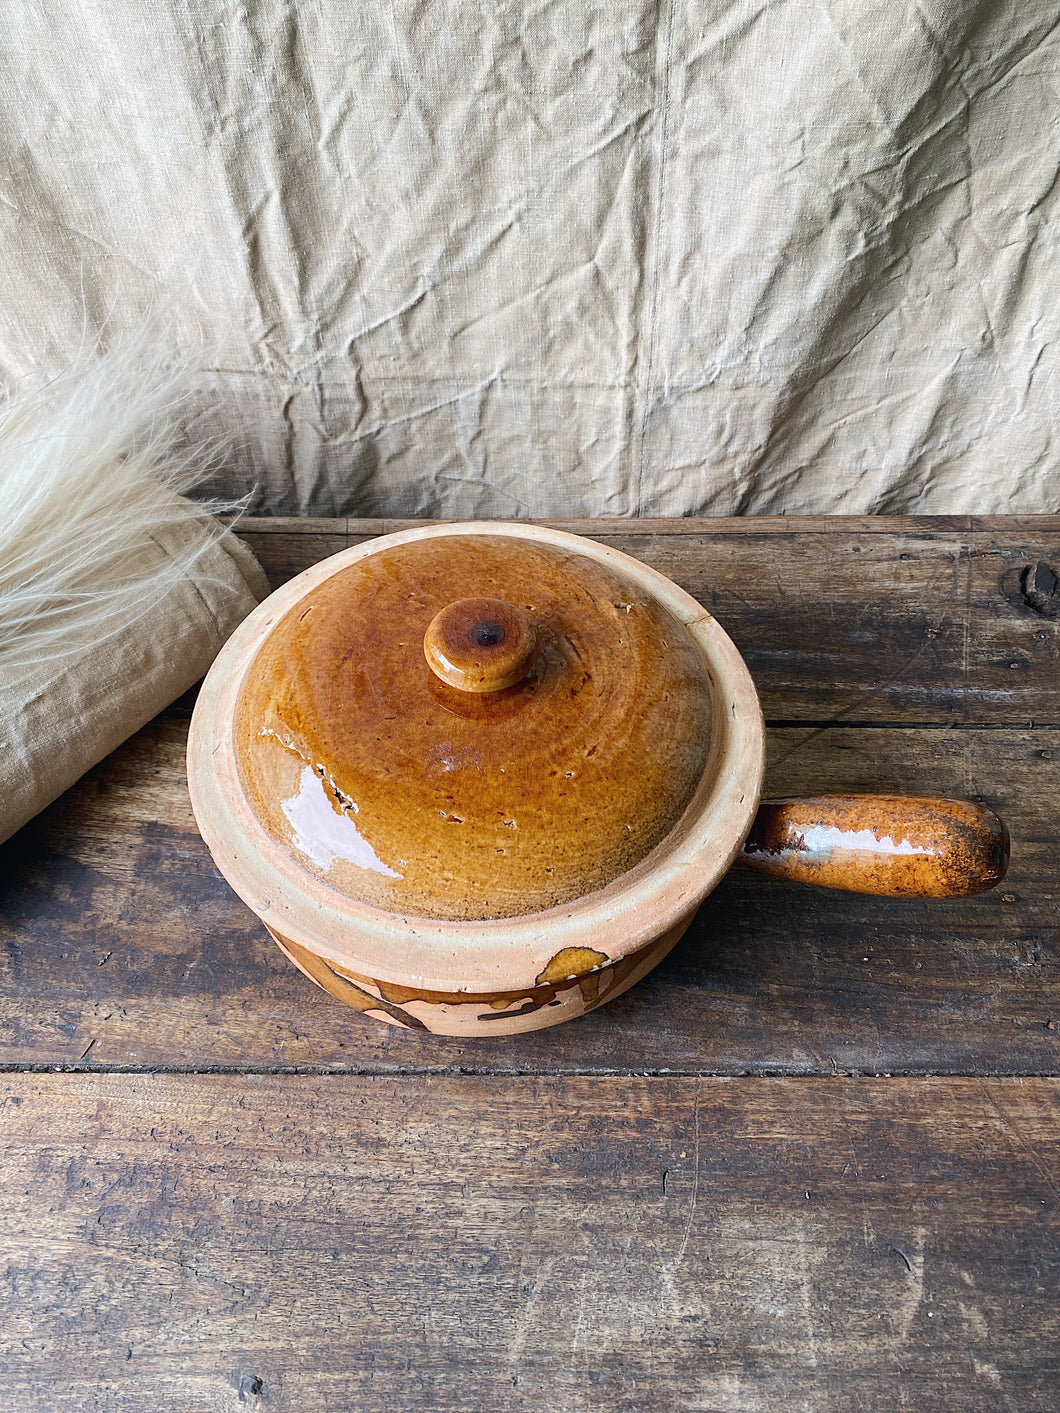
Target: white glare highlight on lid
{"x": 325, "y": 834}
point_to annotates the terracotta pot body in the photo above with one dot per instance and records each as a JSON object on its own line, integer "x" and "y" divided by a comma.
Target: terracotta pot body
{"x": 602, "y": 928}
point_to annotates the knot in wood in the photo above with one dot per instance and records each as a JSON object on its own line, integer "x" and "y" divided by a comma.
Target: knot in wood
{"x": 1040, "y": 584}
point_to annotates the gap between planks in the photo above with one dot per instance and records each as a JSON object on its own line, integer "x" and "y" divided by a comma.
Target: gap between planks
{"x": 785, "y": 1070}
{"x": 692, "y": 525}
{"x": 841, "y": 723}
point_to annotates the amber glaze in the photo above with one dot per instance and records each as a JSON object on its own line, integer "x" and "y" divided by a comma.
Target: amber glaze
{"x": 414, "y": 796}
{"x": 894, "y": 845}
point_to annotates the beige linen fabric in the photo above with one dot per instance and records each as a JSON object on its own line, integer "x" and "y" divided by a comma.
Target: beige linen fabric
{"x": 572, "y": 258}
{"x": 60, "y": 719}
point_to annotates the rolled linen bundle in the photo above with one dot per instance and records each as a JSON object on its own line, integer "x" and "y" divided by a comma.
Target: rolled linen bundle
{"x": 116, "y": 591}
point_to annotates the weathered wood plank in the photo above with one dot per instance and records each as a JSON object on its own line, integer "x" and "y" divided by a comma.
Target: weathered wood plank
{"x": 838, "y": 618}
{"x": 124, "y": 947}
{"x": 456, "y": 1245}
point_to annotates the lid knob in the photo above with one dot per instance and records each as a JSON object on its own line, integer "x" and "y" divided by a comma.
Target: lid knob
{"x": 480, "y": 645}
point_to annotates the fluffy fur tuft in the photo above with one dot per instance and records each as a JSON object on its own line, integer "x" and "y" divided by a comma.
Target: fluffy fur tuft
{"x": 90, "y": 471}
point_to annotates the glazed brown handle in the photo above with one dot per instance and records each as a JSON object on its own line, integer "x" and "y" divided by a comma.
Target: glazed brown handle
{"x": 896, "y": 845}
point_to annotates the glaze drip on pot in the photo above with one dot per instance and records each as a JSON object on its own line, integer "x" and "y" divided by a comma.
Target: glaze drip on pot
{"x": 416, "y": 797}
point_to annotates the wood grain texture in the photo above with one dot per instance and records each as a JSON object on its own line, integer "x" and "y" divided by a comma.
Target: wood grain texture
{"x": 483, "y": 1226}
{"x": 905, "y": 619}
{"x": 318, "y": 1244}
{"x": 123, "y": 946}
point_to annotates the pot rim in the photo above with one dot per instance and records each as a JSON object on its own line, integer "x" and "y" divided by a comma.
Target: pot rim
{"x": 501, "y": 953}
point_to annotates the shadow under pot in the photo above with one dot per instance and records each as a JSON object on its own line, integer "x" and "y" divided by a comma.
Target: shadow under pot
{"x": 476, "y": 779}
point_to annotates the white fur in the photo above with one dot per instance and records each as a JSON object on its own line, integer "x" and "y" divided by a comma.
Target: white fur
{"x": 89, "y": 471}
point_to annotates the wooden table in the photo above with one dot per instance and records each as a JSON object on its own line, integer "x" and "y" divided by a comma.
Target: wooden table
{"x": 811, "y": 1163}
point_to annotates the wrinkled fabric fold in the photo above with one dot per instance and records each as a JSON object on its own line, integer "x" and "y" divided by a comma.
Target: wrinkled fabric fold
{"x": 62, "y": 717}
{"x": 656, "y": 259}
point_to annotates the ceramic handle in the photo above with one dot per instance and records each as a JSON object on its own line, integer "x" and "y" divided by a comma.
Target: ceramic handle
{"x": 895, "y": 845}
{"x": 481, "y": 645}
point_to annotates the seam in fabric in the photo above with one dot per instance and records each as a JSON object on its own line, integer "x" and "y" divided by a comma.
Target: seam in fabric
{"x": 656, "y": 257}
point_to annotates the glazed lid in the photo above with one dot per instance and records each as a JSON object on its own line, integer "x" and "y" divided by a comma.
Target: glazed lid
{"x": 473, "y": 726}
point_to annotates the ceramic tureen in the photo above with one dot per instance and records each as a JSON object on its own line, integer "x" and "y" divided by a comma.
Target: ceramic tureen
{"x": 476, "y": 779}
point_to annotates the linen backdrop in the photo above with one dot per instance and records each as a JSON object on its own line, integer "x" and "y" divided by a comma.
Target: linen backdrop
{"x": 556, "y": 257}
